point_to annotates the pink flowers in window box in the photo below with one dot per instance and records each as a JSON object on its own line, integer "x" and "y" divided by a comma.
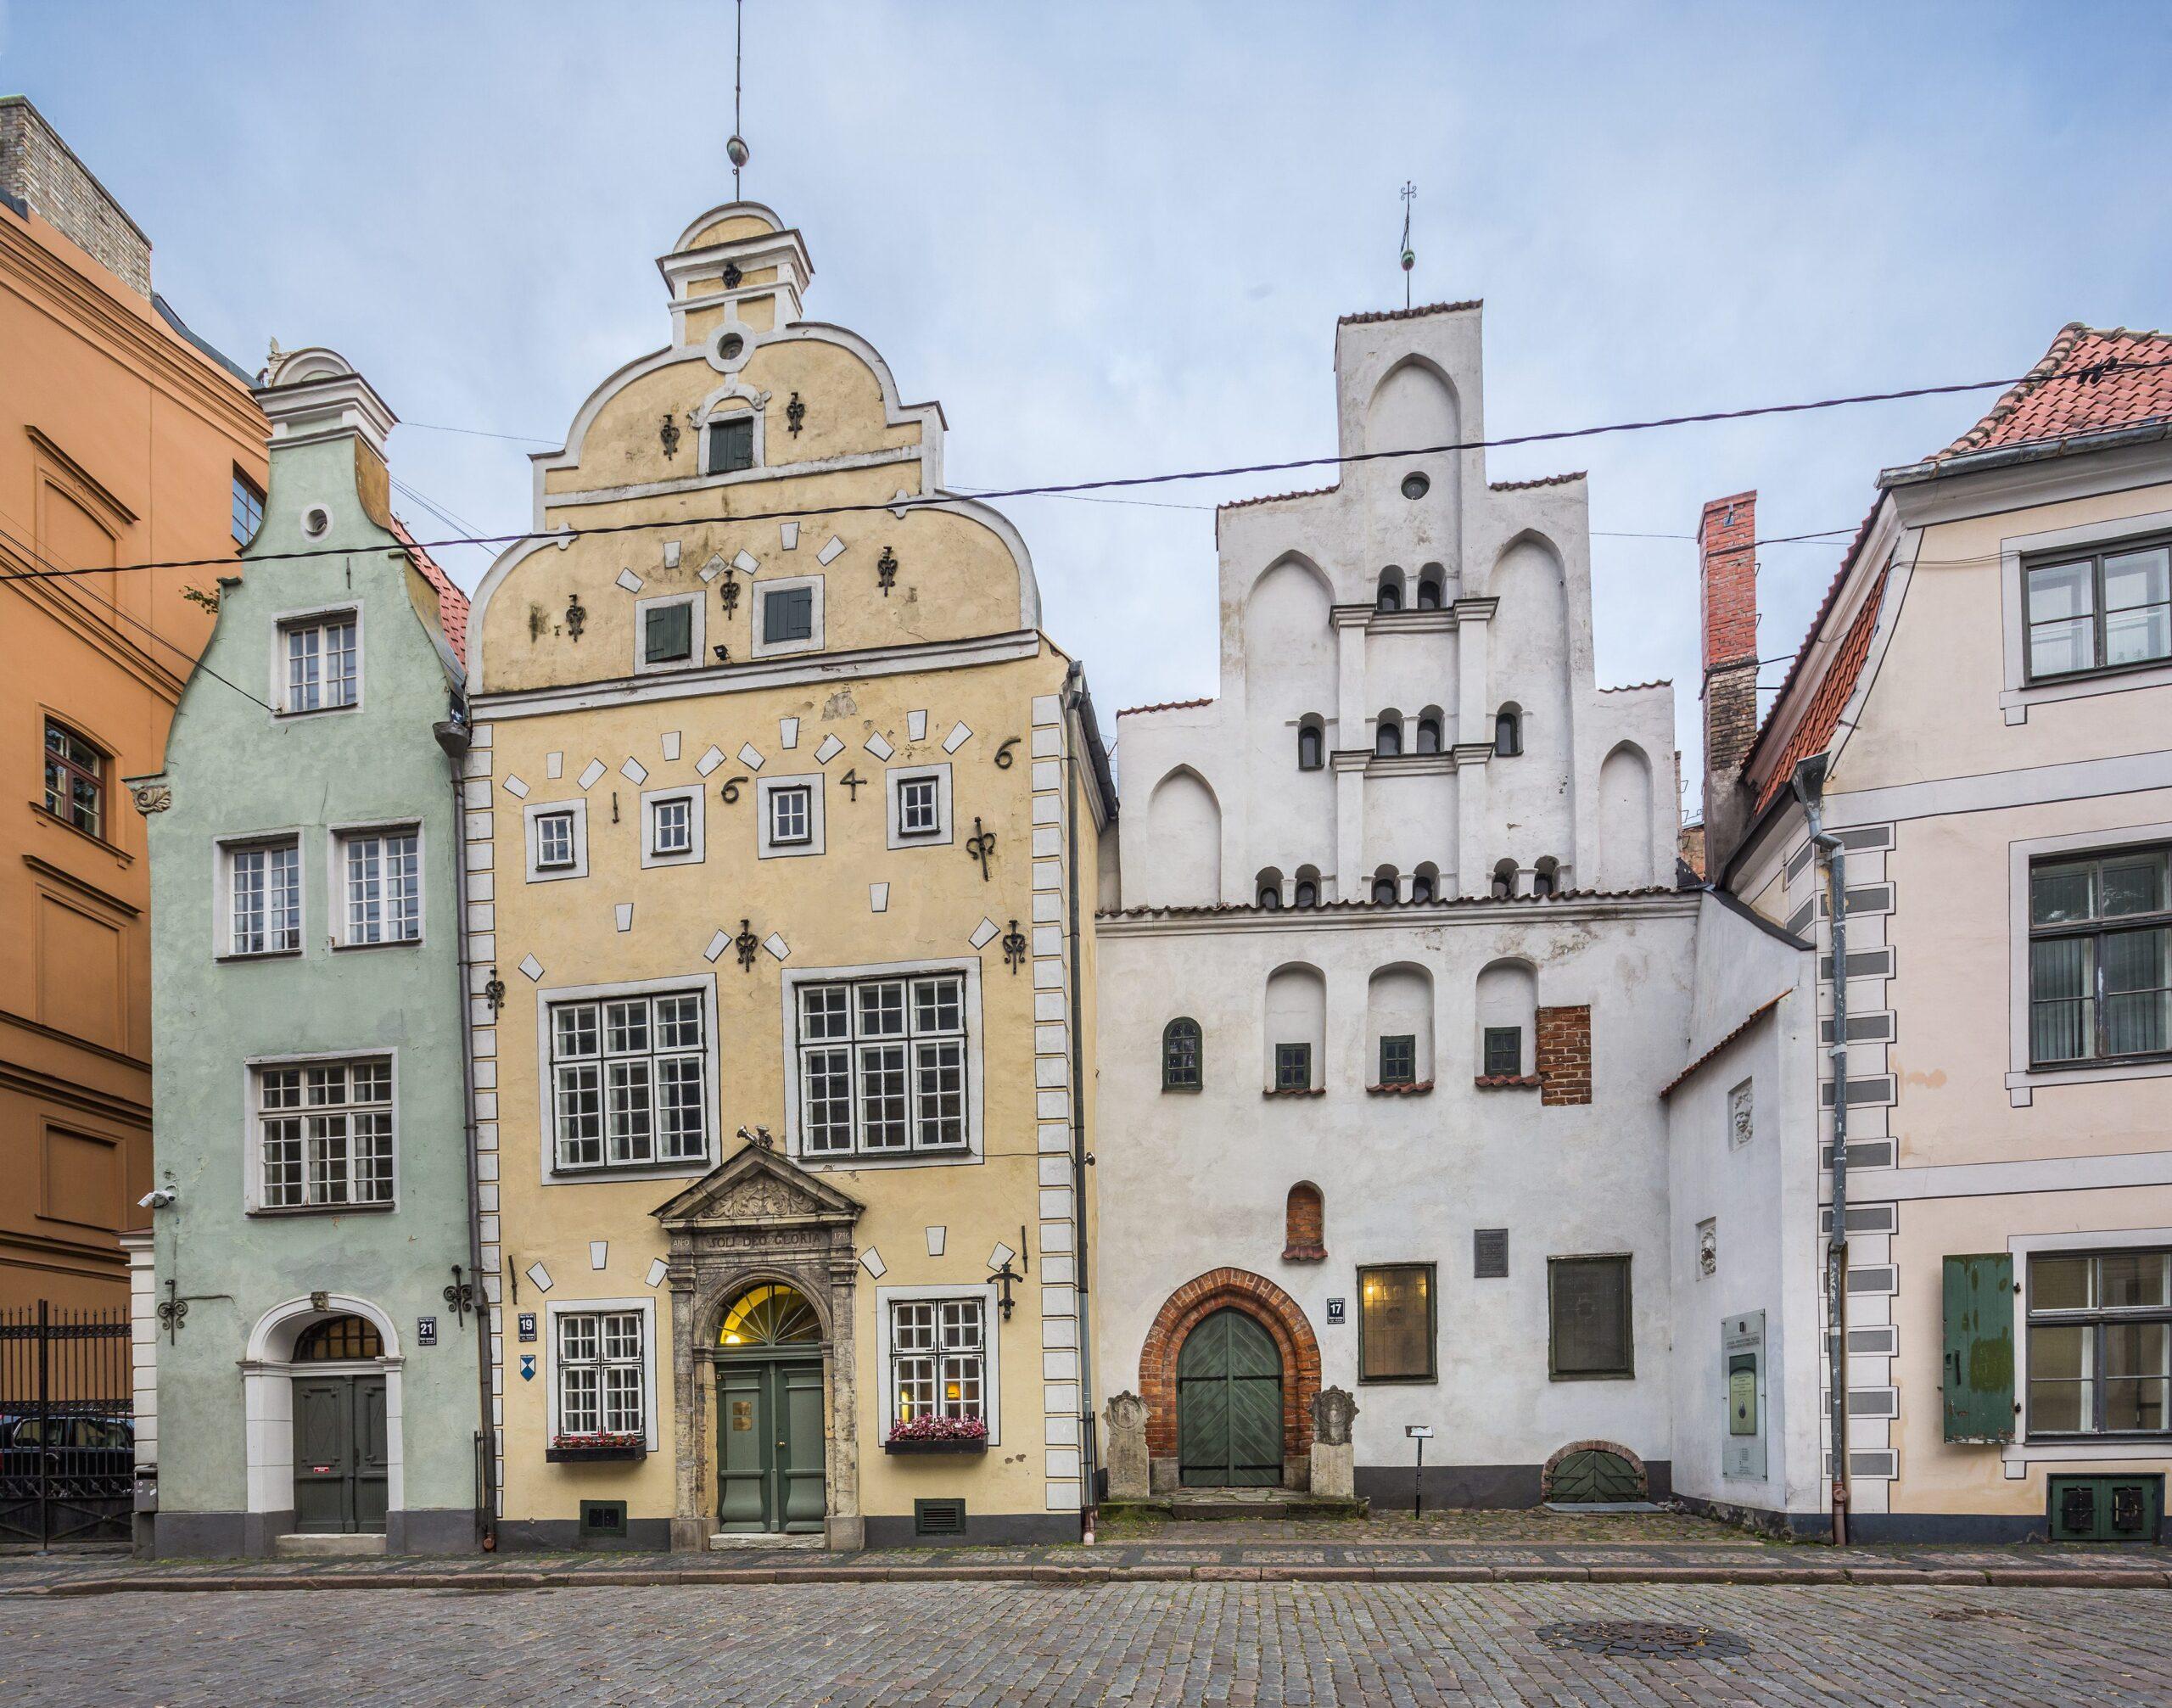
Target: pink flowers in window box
{"x": 596, "y": 1444}
{"x": 932, "y": 1434}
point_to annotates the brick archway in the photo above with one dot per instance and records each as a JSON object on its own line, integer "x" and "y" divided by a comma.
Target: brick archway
{"x": 1621, "y": 1452}
{"x": 1274, "y": 1310}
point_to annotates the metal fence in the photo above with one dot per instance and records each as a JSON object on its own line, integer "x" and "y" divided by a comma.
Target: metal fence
{"x": 67, "y": 1425}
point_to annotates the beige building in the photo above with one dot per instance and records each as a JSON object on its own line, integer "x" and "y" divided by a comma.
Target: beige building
{"x": 782, "y": 817}
{"x": 1979, "y": 716}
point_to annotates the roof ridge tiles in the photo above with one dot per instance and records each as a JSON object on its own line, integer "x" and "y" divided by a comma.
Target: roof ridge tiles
{"x": 1417, "y": 312}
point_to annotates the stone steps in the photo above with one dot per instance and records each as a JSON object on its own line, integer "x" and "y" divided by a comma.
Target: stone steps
{"x": 1215, "y": 1505}
{"x": 301, "y": 1545}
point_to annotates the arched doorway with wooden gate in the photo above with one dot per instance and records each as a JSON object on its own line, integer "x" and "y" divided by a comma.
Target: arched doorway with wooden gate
{"x": 1229, "y": 1404}
{"x": 770, "y": 1439}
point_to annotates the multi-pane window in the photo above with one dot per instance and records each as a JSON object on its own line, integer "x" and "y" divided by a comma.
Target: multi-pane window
{"x": 671, "y": 825}
{"x": 1399, "y": 1059}
{"x": 325, "y": 1129}
{"x": 1293, "y": 1067}
{"x": 383, "y": 877}
{"x": 938, "y": 1360}
{"x": 787, "y": 614}
{"x": 248, "y": 509}
{"x": 2101, "y": 611}
{"x": 599, "y": 1373}
{"x": 74, "y": 779}
{"x": 1504, "y": 1051}
{"x": 2100, "y": 1343}
{"x": 791, "y": 817}
{"x": 1395, "y": 1323}
{"x": 554, "y": 841}
{"x": 323, "y": 662}
{"x": 667, "y": 634}
{"x": 919, "y": 812}
{"x": 882, "y": 1064}
{"x": 1588, "y": 1300}
{"x": 2100, "y": 957}
{"x": 731, "y": 446}
{"x": 629, "y": 1081}
{"x": 264, "y": 909}
{"x": 1180, "y": 1055}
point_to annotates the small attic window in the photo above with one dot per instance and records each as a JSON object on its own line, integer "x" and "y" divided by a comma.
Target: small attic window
{"x": 1415, "y": 485}
{"x": 731, "y": 346}
{"x": 731, "y": 446}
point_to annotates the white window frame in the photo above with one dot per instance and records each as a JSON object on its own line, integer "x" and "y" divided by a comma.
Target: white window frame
{"x": 972, "y": 1151}
{"x": 2111, "y": 1449}
{"x": 532, "y": 837}
{"x": 222, "y": 895}
{"x": 762, "y": 648}
{"x": 336, "y": 883}
{"x": 2022, "y": 1078}
{"x": 697, "y": 800}
{"x": 253, "y": 1190}
{"x": 898, "y": 776}
{"x": 2020, "y": 693}
{"x": 704, "y": 986}
{"x": 817, "y": 829}
{"x": 697, "y": 626}
{"x": 991, "y": 1319}
{"x": 284, "y": 621}
{"x": 646, "y": 1308}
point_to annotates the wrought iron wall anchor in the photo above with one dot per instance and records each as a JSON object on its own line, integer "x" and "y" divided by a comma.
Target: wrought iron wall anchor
{"x": 460, "y": 1293}
{"x": 172, "y": 1309}
{"x": 1014, "y": 948}
{"x": 1004, "y": 1276}
{"x": 576, "y": 616}
{"x": 979, "y": 846}
{"x": 669, "y": 433}
{"x": 728, "y": 592}
{"x": 1004, "y": 760}
{"x": 733, "y": 275}
{"x": 886, "y": 571}
{"x": 795, "y": 416}
{"x": 745, "y": 942}
{"x": 494, "y": 991}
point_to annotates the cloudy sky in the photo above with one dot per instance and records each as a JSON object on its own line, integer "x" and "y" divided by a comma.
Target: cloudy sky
{"x": 1114, "y": 239}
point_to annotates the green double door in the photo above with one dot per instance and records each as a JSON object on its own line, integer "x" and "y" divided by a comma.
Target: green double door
{"x": 341, "y": 1463}
{"x": 1229, "y": 1405}
{"x": 769, "y": 1445}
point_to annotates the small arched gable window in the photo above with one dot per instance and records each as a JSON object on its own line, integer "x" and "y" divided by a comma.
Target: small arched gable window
{"x": 1308, "y": 891}
{"x": 1384, "y": 887}
{"x": 1311, "y": 745}
{"x": 1508, "y": 732}
{"x": 1304, "y": 1225}
{"x": 1432, "y": 588}
{"x": 1425, "y": 882}
{"x": 1387, "y": 735}
{"x": 1180, "y": 1055}
{"x": 1268, "y": 890}
{"x": 1546, "y": 877}
{"x": 1390, "y": 596}
{"x": 1504, "y": 880}
{"x": 1428, "y": 735}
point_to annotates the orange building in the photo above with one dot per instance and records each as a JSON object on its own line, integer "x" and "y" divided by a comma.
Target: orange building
{"x": 123, "y": 439}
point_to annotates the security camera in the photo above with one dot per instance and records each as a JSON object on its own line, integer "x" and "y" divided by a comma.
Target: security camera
{"x": 158, "y": 1198}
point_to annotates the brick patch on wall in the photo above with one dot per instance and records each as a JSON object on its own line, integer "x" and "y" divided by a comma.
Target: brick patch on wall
{"x": 1564, "y": 1055}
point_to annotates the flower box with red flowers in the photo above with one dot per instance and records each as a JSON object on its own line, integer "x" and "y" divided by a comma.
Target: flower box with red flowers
{"x": 937, "y": 1434}
{"x": 594, "y": 1445}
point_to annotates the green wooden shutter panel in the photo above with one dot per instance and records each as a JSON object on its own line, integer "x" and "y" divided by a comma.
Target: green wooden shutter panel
{"x": 1980, "y": 1348}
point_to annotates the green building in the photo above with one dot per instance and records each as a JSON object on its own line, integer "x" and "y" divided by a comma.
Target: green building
{"x": 305, "y": 1382}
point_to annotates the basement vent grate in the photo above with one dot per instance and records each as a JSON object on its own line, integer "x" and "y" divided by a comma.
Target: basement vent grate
{"x": 602, "y": 1518}
{"x": 939, "y": 1518}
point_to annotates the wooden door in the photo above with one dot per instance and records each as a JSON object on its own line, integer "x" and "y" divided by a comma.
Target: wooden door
{"x": 341, "y": 1455}
{"x": 1229, "y": 1405}
{"x": 771, "y": 1446}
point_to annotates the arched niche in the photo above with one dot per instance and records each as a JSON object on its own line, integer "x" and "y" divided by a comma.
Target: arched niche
{"x": 1184, "y": 839}
{"x": 1304, "y": 1224}
{"x": 1399, "y": 1026}
{"x": 1507, "y": 999}
{"x": 1625, "y": 820}
{"x": 1287, "y": 632}
{"x": 1266, "y": 889}
{"x": 1295, "y": 1017}
{"x": 1414, "y": 405}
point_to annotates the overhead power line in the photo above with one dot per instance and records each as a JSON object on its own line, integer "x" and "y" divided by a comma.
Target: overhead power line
{"x": 2089, "y": 375}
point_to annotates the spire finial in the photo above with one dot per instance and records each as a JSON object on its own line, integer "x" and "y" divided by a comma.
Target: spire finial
{"x": 735, "y": 150}
{"x": 1409, "y": 254}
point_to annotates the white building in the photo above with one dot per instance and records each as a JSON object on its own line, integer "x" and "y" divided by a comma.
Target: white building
{"x": 1394, "y": 968}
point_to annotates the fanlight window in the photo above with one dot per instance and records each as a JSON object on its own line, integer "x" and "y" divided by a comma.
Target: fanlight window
{"x": 770, "y": 1315}
{"x": 339, "y": 1338}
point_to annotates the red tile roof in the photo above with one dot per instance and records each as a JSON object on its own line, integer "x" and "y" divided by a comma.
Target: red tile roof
{"x": 1276, "y": 497}
{"x": 1822, "y": 715}
{"x": 452, "y": 603}
{"x": 1163, "y": 706}
{"x": 1543, "y": 480}
{"x": 2084, "y": 385}
{"x": 1417, "y": 313}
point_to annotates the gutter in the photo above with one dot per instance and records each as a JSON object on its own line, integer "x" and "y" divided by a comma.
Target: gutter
{"x": 1077, "y": 706}
{"x": 454, "y": 736}
{"x": 1809, "y": 786}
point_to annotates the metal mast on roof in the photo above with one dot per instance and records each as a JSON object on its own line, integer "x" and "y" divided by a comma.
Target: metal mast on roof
{"x": 735, "y": 150}
{"x": 1409, "y": 254}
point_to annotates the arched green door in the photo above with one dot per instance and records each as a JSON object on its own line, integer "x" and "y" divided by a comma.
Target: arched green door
{"x": 1229, "y": 1405}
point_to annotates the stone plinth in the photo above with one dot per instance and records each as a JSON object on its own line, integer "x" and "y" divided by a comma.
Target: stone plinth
{"x": 1124, "y": 1446}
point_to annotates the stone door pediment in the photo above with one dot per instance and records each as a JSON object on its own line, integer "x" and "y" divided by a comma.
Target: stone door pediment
{"x": 758, "y": 1187}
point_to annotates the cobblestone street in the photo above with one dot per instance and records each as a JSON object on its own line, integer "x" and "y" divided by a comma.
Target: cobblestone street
{"x": 1144, "y": 1644}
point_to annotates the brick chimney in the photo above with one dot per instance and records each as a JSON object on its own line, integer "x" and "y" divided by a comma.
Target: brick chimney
{"x": 40, "y": 172}
{"x": 1728, "y": 577}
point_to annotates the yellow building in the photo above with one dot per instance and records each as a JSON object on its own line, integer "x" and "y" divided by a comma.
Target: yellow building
{"x": 782, "y": 814}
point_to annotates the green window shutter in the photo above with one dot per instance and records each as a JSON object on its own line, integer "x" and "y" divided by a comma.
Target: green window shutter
{"x": 1980, "y": 1348}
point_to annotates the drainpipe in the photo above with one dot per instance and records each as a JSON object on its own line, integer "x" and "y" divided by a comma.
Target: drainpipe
{"x": 454, "y": 736}
{"x": 1073, "y": 706}
{"x": 1809, "y": 784}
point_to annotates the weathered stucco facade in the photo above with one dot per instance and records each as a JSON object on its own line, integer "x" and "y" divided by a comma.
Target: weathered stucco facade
{"x": 305, "y": 1003}
{"x": 794, "y": 739}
